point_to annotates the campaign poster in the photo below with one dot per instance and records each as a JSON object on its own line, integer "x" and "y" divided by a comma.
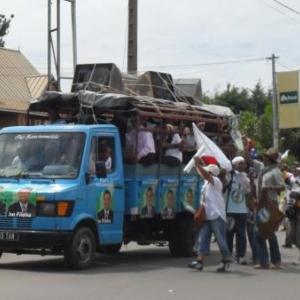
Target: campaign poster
{"x": 105, "y": 204}
{"x": 147, "y": 198}
{"x": 188, "y": 193}
{"x": 168, "y": 198}
{"x": 18, "y": 202}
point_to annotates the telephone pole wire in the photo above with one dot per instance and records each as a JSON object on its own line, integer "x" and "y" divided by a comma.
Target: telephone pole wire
{"x": 274, "y": 103}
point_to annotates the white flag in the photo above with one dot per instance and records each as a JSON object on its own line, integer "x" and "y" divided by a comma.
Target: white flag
{"x": 212, "y": 151}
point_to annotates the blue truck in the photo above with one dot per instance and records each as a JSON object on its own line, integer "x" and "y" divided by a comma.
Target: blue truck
{"x": 60, "y": 196}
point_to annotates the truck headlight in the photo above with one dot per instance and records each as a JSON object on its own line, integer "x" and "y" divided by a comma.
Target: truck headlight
{"x": 54, "y": 208}
{"x": 46, "y": 209}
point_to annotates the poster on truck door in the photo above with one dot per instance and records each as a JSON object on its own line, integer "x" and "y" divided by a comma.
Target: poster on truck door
{"x": 105, "y": 203}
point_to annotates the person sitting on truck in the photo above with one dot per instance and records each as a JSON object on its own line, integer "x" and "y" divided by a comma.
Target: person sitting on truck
{"x": 174, "y": 147}
{"x": 142, "y": 143}
{"x": 54, "y": 117}
{"x": 106, "y": 215}
{"x": 190, "y": 146}
{"x": 50, "y": 155}
{"x": 201, "y": 125}
{"x": 148, "y": 211}
{"x": 25, "y": 157}
{"x": 104, "y": 155}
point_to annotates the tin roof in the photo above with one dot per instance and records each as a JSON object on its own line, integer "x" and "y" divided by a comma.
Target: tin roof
{"x": 19, "y": 81}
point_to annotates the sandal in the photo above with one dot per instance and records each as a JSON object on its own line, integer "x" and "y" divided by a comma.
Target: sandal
{"x": 196, "y": 265}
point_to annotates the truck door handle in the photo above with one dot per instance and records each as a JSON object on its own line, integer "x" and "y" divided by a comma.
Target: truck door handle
{"x": 118, "y": 186}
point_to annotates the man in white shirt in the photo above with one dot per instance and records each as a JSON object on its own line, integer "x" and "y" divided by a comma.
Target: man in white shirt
{"x": 215, "y": 217}
{"x": 173, "y": 153}
{"x": 235, "y": 199}
{"x": 142, "y": 143}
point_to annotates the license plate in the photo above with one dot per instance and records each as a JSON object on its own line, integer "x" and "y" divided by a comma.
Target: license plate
{"x": 9, "y": 236}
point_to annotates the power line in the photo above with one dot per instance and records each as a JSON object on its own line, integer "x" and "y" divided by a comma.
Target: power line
{"x": 285, "y": 65}
{"x": 206, "y": 64}
{"x": 287, "y": 7}
{"x": 279, "y": 11}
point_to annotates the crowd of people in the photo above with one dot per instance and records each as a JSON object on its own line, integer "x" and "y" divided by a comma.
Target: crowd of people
{"x": 233, "y": 213}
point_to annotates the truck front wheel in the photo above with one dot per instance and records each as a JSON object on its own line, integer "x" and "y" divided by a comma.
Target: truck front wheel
{"x": 79, "y": 253}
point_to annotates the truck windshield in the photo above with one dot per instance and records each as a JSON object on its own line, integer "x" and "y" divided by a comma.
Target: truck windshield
{"x": 53, "y": 155}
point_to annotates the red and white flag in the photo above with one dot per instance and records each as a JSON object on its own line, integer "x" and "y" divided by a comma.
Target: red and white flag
{"x": 208, "y": 151}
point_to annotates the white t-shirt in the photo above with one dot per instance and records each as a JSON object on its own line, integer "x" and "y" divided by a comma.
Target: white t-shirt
{"x": 176, "y": 139}
{"x": 213, "y": 200}
{"x": 240, "y": 186}
{"x": 145, "y": 142}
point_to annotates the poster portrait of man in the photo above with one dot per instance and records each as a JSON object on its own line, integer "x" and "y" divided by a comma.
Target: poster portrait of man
{"x": 22, "y": 208}
{"x": 168, "y": 211}
{"x": 106, "y": 215}
{"x": 148, "y": 210}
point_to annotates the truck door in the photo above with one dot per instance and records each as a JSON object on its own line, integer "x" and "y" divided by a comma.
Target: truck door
{"x": 107, "y": 194}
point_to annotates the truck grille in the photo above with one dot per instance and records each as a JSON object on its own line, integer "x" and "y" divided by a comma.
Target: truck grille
{"x": 15, "y": 223}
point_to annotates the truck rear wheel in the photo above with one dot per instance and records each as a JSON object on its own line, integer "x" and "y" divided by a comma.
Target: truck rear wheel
{"x": 182, "y": 241}
{"x": 79, "y": 253}
{"x": 174, "y": 244}
{"x": 188, "y": 238}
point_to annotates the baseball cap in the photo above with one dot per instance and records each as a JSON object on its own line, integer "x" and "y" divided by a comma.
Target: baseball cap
{"x": 213, "y": 169}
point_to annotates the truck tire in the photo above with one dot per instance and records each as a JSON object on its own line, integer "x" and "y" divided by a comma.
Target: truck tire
{"x": 182, "y": 241}
{"x": 188, "y": 238}
{"x": 79, "y": 253}
{"x": 111, "y": 249}
{"x": 174, "y": 244}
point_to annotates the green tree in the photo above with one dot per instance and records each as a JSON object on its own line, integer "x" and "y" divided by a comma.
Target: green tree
{"x": 259, "y": 100}
{"x": 289, "y": 139}
{"x": 235, "y": 98}
{"x": 4, "y": 26}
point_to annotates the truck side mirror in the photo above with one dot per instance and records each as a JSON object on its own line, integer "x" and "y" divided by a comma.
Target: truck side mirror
{"x": 100, "y": 169}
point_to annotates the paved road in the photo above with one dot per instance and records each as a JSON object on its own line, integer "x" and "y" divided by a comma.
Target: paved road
{"x": 145, "y": 273}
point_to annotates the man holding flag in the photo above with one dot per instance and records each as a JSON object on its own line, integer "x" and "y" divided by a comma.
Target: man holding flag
{"x": 212, "y": 198}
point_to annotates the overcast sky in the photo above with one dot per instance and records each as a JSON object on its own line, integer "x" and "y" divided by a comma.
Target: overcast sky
{"x": 181, "y": 37}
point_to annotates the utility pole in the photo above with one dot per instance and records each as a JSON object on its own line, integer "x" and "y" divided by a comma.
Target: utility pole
{"x": 275, "y": 103}
{"x": 132, "y": 36}
{"x": 56, "y": 53}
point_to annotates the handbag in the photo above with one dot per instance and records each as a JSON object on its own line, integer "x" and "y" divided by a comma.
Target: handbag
{"x": 199, "y": 216}
{"x": 268, "y": 217}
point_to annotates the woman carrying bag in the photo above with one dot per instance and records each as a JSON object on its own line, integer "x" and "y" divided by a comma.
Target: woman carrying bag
{"x": 215, "y": 217}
